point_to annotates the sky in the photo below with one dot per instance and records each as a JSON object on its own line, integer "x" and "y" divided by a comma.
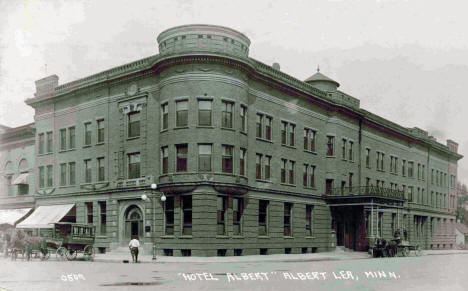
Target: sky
{"x": 406, "y": 61}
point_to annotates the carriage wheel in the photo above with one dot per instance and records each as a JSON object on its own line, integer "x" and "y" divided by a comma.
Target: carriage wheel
{"x": 45, "y": 255}
{"x": 405, "y": 252}
{"x": 61, "y": 254}
{"x": 71, "y": 255}
{"x": 89, "y": 253}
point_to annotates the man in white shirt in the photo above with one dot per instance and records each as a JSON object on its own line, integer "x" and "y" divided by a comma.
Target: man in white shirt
{"x": 133, "y": 246}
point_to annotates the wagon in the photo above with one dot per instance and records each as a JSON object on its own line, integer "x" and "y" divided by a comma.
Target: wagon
{"x": 394, "y": 247}
{"x": 70, "y": 239}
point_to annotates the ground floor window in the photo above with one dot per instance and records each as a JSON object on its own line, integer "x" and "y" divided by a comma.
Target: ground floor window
{"x": 262, "y": 217}
{"x": 169, "y": 216}
{"x": 186, "y": 215}
{"x": 103, "y": 217}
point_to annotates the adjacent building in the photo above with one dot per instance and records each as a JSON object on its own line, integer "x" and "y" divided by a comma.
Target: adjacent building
{"x": 249, "y": 159}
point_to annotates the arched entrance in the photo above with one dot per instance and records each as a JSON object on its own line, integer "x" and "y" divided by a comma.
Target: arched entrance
{"x": 133, "y": 222}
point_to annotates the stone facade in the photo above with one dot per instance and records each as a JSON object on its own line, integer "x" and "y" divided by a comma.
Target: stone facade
{"x": 205, "y": 123}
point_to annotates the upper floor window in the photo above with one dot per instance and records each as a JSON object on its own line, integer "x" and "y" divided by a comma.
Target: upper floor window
{"x": 181, "y": 113}
{"x": 343, "y": 149}
{"x": 309, "y": 139}
{"x": 63, "y": 174}
{"x": 227, "y": 159}
{"x": 242, "y": 161}
{"x": 264, "y": 126}
{"x": 41, "y": 177}
{"x": 134, "y": 124}
{"x": 101, "y": 169}
{"x": 243, "y": 118}
{"x": 368, "y": 158}
{"x": 222, "y": 209}
{"x": 350, "y": 151}
{"x": 237, "y": 210}
{"x": 165, "y": 160}
{"x": 50, "y": 176}
{"x": 287, "y": 171}
{"x": 204, "y": 157}
{"x": 71, "y": 138}
{"x": 41, "y": 143}
{"x": 204, "y": 112}
{"x": 410, "y": 169}
{"x": 63, "y": 139}
{"x": 87, "y": 171}
{"x": 100, "y": 131}
{"x": 287, "y": 133}
{"x": 263, "y": 167}
{"x": 50, "y": 142}
{"x": 181, "y": 157}
{"x": 134, "y": 165}
{"x": 164, "y": 116}
{"x": 287, "y": 219}
{"x": 330, "y": 146}
{"x": 403, "y": 168}
{"x": 72, "y": 173}
{"x": 226, "y": 120}
{"x": 308, "y": 179}
{"x": 87, "y": 132}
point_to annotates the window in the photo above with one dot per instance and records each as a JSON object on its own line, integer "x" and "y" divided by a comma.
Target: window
{"x": 181, "y": 113}
{"x": 243, "y": 115}
{"x": 165, "y": 160}
{"x": 262, "y": 217}
{"x": 186, "y": 215}
{"x": 309, "y": 139}
{"x": 380, "y": 223}
{"x": 309, "y": 209}
{"x": 221, "y": 217}
{"x": 287, "y": 133}
{"x": 283, "y": 170}
{"x": 292, "y": 129}
{"x": 259, "y": 126}
{"x": 100, "y": 131}
{"x": 227, "y": 159}
{"x": 343, "y": 149}
{"x": 88, "y": 171}
{"x": 71, "y": 173}
{"x": 267, "y": 168}
{"x": 308, "y": 179}
{"x": 164, "y": 116}
{"x": 287, "y": 219}
{"x": 50, "y": 176}
{"x": 101, "y": 169}
{"x": 63, "y": 174}
{"x": 89, "y": 212}
{"x": 63, "y": 139}
{"x": 226, "y": 119}
{"x": 204, "y": 158}
{"x": 330, "y": 146}
{"x": 41, "y": 177}
{"x": 393, "y": 164}
{"x": 87, "y": 128}
{"x": 291, "y": 172}
{"x": 328, "y": 186}
{"x": 71, "y": 138}
{"x": 350, "y": 152}
{"x": 204, "y": 112}
{"x": 258, "y": 166}
{"x": 181, "y": 157}
{"x": 403, "y": 168}
{"x": 410, "y": 193}
{"x": 284, "y": 127}
{"x": 368, "y": 158}
{"x": 134, "y": 166}
{"x": 380, "y": 161}
{"x": 264, "y": 126}
{"x": 268, "y": 125}
{"x": 103, "y": 217}
{"x": 350, "y": 180}
{"x": 237, "y": 210}
{"x": 242, "y": 159}
{"x": 41, "y": 143}
{"x": 49, "y": 142}
{"x": 134, "y": 124}
{"x": 169, "y": 216}
{"x": 410, "y": 169}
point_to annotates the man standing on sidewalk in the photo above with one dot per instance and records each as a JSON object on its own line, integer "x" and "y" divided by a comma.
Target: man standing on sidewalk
{"x": 133, "y": 246}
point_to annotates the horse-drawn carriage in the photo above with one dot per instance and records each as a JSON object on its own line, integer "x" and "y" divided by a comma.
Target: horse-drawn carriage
{"x": 66, "y": 240}
{"x": 394, "y": 247}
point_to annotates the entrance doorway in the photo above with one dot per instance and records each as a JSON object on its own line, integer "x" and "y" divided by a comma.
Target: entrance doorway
{"x": 133, "y": 223}
{"x": 349, "y": 226}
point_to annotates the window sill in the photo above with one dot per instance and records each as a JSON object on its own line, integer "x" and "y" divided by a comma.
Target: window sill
{"x": 379, "y": 170}
{"x": 393, "y": 173}
{"x": 264, "y": 236}
{"x": 309, "y": 237}
{"x": 66, "y": 186}
{"x": 244, "y": 132}
{"x": 164, "y": 130}
{"x": 368, "y": 167}
{"x": 133, "y": 137}
{"x": 262, "y": 139}
{"x": 288, "y": 237}
{"x": 290, "y": 185}
{"x": 330, "y": 157}
{"x": 263, "y": 181}
{"x": 311, "y": 152}
{"x": 228, "y": 128}
{"x": 100, "y": 143}
{"x": 68, "y": 150}
{"x": 310, "y": 188}
{"x": 222, "y": 236}
{"x": 289, "y": 146}
{"x": 186, "y": 236}
{"x": 181, "y": 127}
{"x": 86, "y": 146}
{"x": 237, "y": 236}
{"x": 45, "y": 154}
{"x": 205, "y": 126}
{"x": 167, "y": 236}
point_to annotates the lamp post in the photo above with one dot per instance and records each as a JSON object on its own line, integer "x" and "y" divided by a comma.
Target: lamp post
{"x": 145, "y": 198}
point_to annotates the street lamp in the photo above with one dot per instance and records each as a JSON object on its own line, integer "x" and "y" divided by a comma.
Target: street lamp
{"x": 144, "y": 197}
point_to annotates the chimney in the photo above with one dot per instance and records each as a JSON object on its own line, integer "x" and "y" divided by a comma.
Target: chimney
{"x": 453, "y": 146}
{"x": 46, "y": 86}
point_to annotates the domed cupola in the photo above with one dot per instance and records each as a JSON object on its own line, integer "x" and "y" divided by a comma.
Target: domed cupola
{"x": 322, "y": 82}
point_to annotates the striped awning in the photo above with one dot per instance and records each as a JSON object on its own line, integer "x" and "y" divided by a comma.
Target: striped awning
{"x": 21, "y": 179}
{"x": 46, "y": 216}
{"x": 11, "y": 216}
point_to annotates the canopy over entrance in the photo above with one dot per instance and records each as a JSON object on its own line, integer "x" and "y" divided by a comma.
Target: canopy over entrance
{"x": 21, "y": 179}
{"x": 12, "y": 216}
{"x": 46, "y": 216}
